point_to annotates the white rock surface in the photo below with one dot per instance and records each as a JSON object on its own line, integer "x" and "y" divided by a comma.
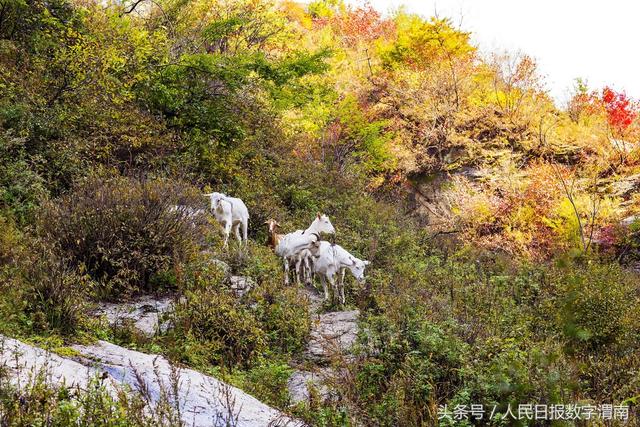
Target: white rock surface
{"x": 144, "y": 313}
{"x": 24, "y": 362}
{"x": 626, "y": 186}
{"x": 203, "y": 400}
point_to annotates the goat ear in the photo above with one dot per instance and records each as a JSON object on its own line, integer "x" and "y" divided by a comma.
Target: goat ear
{"x": 318, "y": 215}
{"x": 277, "y": 224}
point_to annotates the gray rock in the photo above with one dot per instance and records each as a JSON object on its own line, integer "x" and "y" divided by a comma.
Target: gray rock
{"x": 23, "y": 362}
{"x": 300, "y": 383}
{"x": 203, "y": 400}
{"x": 144, "y": 313}
{"x": 332, "y": 333}
{"x": 626, "y": 186}
{"x": 241, "y": 284}
{"x": 630, "y": 220}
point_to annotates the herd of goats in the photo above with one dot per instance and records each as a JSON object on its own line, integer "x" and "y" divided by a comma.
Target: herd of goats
{"x": 302, "y": 250}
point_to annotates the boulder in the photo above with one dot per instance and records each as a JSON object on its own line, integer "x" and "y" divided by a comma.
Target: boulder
{"x": 203, "y": 400}
{"x": 23, "y": 362}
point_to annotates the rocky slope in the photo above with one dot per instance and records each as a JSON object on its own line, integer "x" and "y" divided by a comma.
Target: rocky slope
{"x": 201, "y": 400}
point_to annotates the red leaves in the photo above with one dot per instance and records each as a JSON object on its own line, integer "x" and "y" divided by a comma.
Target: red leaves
{"x": 362, "y": 24}
{"x": 621, "y": 111}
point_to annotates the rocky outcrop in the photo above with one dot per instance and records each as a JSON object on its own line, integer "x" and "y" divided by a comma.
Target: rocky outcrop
{"x": 331, "y": 338}
{"x": 333, "y": 333}
{"x": 202, "y": 400}
{"x": 143, "y": 313}
{"x": 301, "y": 383}
{"x": 626, "y": 186}
{"x": 23, "y": 362}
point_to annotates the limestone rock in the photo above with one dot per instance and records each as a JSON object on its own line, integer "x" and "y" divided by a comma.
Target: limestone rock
{"x": 626, "y": 186}
{"x": 24, "y": 361}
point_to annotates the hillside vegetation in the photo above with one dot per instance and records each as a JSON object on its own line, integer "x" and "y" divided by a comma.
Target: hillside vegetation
{"x": 499, "y": 226}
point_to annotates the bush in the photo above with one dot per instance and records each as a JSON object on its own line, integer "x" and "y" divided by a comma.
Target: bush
{"x": 40, "y": 291}
{"x": 268, "y": 382}
{"x": 123, "y": 230}
{"x": 21, "y": 188}
{"x": 283, "y": 317}
{"x": 408, "y": 367}
{"x": 213, "y": 328}
{"x": 57, "y": 293}
{"x": 596, "y": 307}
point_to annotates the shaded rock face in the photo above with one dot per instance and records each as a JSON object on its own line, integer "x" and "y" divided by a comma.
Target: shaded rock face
{"x": 202, "y": 400}
{"x": 143, "y": 313}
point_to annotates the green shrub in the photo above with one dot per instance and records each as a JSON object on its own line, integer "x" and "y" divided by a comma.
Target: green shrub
{"x": 268, "y": 382}
{"x": 40, "y": 291}
{"x": 409, "y": 367}
{"x": 58, "y": 293}
{"x": 596, "y": 306}
{"x": 213, "y": 327}
{"x": 283, "y": 316}
{"x": 21, "y": 188}
{"x": 123, "y": 231}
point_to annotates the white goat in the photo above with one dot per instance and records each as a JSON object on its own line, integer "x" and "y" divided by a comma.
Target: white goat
{"x": 291, "y": 246}
{"x": 330, "y": 259}
{"x": 232, "y": 214}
